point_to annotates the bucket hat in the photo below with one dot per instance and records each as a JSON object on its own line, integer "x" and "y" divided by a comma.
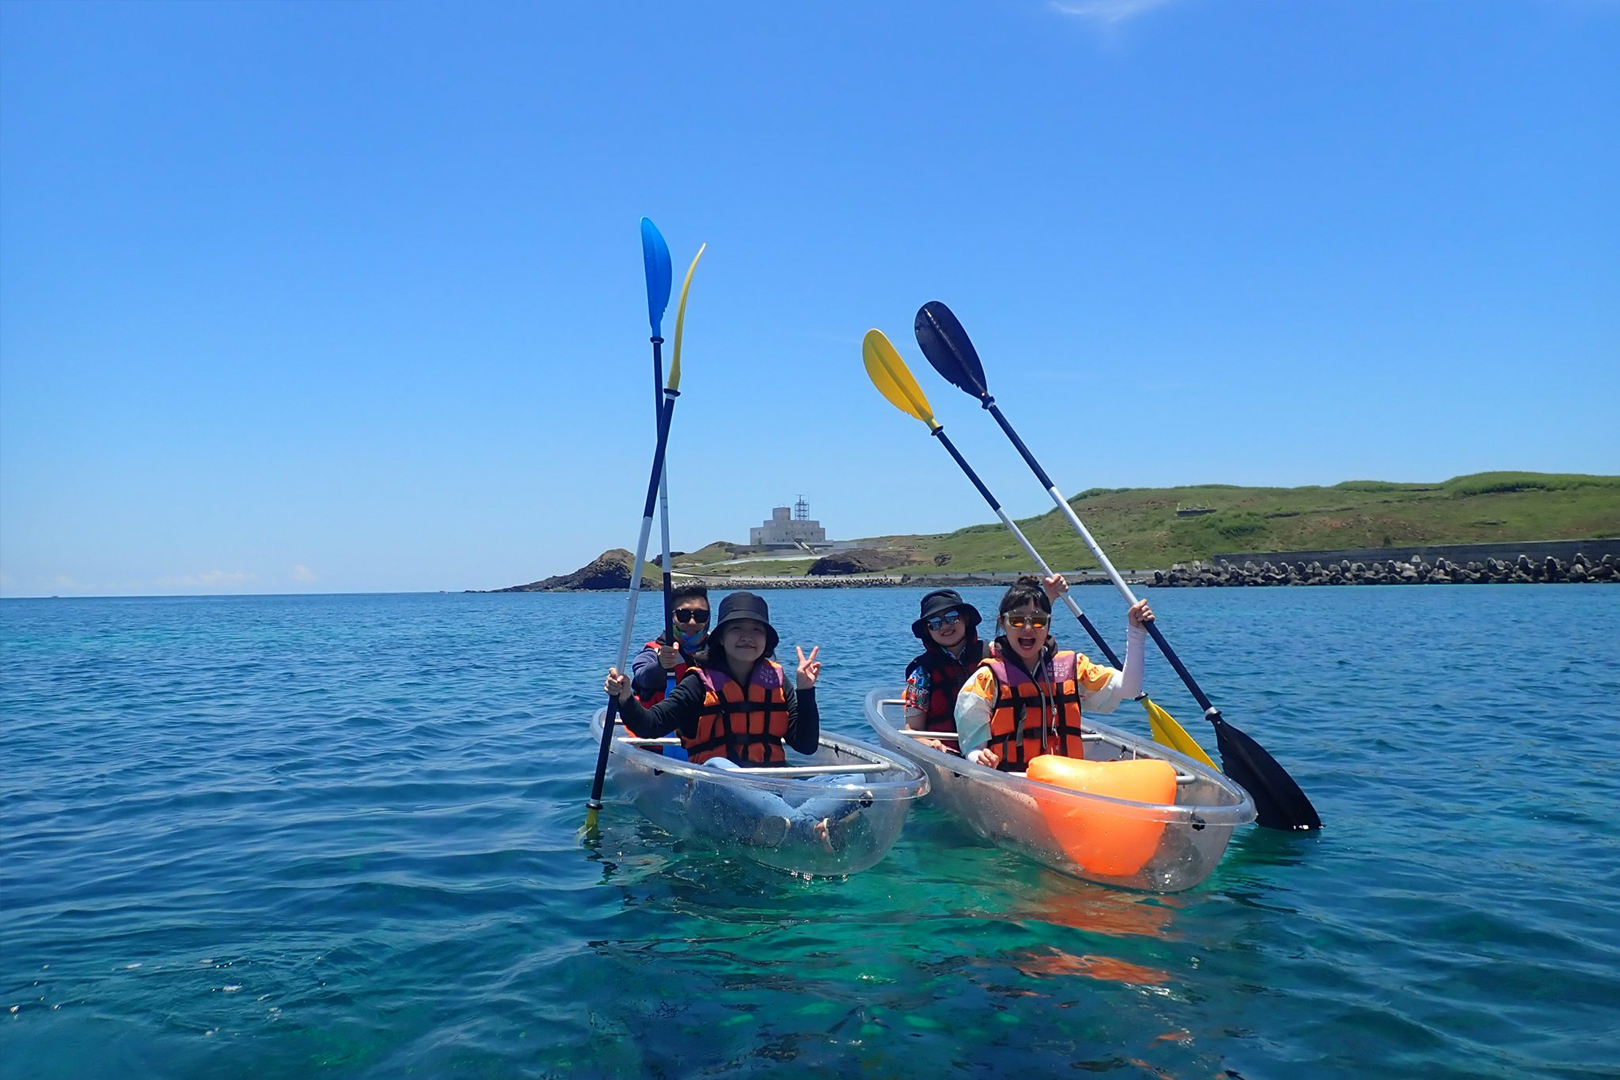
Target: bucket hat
{"x": 937, "y": 603}
{"x": 747, "y": 605}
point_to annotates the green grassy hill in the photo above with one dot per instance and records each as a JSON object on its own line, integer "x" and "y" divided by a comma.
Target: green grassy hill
{"x": 1139, "y": 529}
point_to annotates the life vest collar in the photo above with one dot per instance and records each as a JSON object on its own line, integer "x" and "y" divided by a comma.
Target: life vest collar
{"x": 1002, "y": 649}
{"x": 766, "y": 673}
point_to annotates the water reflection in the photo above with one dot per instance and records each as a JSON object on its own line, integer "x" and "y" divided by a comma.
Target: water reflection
{"x": 1099, "y": 910}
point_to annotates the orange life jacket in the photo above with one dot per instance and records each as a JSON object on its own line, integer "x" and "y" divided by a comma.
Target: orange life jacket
{"x": 745, "y": 725}
{"x": 1033, "y": 718}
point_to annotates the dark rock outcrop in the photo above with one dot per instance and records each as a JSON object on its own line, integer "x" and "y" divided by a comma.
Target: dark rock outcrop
{"x": 609, "y": 570}
{"x": 859, "y": 561}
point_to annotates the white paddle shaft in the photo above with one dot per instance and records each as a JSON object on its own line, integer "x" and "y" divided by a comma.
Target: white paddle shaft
{"x": 1085, "y": 534}
{"x": 1040, "y": 562}
{"x": 635, "y": 594}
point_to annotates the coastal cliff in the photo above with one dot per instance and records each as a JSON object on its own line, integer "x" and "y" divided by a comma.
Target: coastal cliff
{"x": 609, "y": 570}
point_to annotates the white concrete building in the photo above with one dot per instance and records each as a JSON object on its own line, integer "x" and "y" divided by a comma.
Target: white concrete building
{"x": 788, "y": 528}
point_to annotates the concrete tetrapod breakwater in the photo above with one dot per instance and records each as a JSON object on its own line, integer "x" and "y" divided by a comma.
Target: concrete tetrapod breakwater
{"x": 1416, "y": 571}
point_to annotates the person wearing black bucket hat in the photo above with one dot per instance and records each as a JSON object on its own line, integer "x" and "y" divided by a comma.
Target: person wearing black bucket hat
{"x": 735, "y": 709}
{"x": 948, "y": 629}
{"x": 735, "y": 702}
{"x": 748, "y": 607}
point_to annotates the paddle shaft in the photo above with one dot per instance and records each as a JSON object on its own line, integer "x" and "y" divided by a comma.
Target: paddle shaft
{"x": 1279, "y": 801}
{"x": 939, "y": 433}
{"x": 1102, "y": 559}
{"x": 664, "y": 417}
{"x": 664, "y": 399}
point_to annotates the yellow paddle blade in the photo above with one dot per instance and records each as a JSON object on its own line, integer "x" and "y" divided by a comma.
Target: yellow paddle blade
{"x": 1166, "y": 732}
{"x": 674, "y": 380}
{"x": 893, "y": 379}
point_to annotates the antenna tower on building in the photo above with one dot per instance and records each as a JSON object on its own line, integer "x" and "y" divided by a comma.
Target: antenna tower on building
{"x": 801, "y": 510}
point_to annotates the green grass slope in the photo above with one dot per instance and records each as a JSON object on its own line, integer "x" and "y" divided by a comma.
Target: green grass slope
{"x": 1138, "y": 527}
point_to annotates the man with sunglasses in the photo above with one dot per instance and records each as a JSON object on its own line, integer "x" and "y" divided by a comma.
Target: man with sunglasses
{"x": 661, "y": 658}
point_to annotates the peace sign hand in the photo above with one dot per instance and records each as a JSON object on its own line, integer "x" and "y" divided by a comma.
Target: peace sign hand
{"x": 809, "y": 668}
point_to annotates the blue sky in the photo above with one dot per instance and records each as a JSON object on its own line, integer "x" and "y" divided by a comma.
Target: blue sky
{"x": 348, "y": 297}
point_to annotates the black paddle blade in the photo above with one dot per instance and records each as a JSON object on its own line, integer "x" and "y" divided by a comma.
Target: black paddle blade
{"x": 1278, "y": 801}
{"x": 947, "y": 347}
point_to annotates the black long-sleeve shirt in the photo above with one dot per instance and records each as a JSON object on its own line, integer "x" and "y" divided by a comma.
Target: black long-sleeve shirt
{"x": 679, "y": 713}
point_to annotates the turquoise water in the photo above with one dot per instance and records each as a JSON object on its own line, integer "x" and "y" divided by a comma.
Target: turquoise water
{"x": 295, "y": 836}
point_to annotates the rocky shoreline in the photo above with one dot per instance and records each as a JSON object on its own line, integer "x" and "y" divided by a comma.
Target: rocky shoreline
{"x": 611, "y": 572}
{"x": 1522, "y": 571}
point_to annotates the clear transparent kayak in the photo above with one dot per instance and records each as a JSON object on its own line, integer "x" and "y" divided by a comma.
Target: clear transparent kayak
{"x": 830, "y": 813}
{"x": 1163, "y": 845}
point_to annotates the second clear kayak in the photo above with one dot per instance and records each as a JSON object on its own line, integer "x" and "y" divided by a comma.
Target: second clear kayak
{"x": 1132, "y": 813}
{"x": 831, "y": 813}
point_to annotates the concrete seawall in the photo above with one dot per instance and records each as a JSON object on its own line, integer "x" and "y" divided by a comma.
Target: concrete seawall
{"x": 1535, "y": 550}
{"x": 1416, "y": 570}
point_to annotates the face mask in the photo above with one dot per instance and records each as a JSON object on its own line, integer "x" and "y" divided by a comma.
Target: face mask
{"x": 690, "y": 640}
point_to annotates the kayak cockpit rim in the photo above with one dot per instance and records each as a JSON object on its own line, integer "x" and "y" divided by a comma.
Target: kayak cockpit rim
{"x": 877, "y": 773}
{"x": 1234, "y": 807}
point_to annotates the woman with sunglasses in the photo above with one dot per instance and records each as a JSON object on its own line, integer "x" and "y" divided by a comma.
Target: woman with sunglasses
{"x": 949, "y": 630}
{"x": 1026, "y": 699}
{"x": 737, "y": 708}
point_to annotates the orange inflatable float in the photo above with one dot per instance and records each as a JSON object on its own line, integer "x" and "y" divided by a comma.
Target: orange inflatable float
{"x": 1102, "y": 838}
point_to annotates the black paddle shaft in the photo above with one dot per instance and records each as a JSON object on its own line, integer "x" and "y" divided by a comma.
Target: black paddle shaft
{"x": 646, "y": 516}
{"x": 948, "y": 349}
{"x": 939, "y": 433}
{"x": 1279, "y": 801}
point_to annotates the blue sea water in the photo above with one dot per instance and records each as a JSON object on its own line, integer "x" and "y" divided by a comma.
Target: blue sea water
{"x": 340, "y": 836}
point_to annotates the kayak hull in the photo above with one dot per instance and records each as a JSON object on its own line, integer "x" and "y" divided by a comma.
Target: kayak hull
{"x": 835, "y": 824}
{"x": 1159, "y": 847}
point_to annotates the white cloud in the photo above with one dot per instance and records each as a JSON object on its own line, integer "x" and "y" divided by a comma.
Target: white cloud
{"x": 1107, "y": 12}
{"x": 303, "y": 575}
{"x": 208, "y": 579}
{"x": 66, "y": 583}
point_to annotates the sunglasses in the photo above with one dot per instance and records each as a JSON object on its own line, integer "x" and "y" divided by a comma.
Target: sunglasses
{"x": 950, "y": 618}
{"x": 691, "y": 615}
{"x": 1021, "y": 622}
